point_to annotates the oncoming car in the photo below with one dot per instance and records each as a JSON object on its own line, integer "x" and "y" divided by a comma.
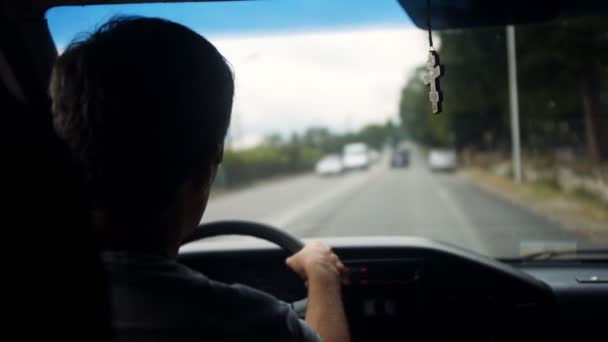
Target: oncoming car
{"x": 329, "y": 165}
{"x": 513, "y": 246}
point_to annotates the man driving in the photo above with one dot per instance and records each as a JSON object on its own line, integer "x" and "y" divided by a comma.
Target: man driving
{"x": 144, "y": 105}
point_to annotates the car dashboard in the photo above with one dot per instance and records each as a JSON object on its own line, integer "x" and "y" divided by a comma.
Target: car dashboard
{"x": 417, "y": 289}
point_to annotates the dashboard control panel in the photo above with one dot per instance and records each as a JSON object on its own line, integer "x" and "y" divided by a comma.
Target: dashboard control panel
{"x": 381, "y": 294}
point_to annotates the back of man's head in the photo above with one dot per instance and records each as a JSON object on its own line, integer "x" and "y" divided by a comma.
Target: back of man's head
{"x": 143, "y": 104}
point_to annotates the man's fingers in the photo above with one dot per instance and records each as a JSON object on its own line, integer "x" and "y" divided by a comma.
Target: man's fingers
{"x": 338, "y": 263}
{"x": 341, "y": 266}
{"x": 292, "y": 263}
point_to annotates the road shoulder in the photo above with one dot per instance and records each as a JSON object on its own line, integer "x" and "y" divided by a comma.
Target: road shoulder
{"x": 571, "y": 214}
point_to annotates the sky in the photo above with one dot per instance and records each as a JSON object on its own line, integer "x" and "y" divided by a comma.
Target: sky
{"x": 340, "y": 64}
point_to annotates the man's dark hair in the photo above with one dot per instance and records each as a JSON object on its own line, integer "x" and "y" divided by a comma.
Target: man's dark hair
{"x": 143, "y": 104}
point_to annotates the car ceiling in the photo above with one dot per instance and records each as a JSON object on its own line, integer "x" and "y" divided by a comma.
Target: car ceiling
{"x": 444, "y": 14}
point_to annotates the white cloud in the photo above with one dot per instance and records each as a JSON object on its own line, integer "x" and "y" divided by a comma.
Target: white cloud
{"x": 337, "y": 79}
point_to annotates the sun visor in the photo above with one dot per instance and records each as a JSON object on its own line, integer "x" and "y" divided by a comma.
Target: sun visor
{"x": 451, "y": 14}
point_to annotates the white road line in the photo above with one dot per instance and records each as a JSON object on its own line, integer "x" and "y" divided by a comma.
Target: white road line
{"x": 462, "y": 219}
{"x": 290, "y": 214}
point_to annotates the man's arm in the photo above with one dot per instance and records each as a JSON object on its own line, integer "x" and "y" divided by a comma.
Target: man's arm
{"x": 321, "y": 268}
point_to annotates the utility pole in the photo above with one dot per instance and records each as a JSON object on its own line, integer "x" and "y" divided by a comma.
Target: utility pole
{"x": 514, "y": 104}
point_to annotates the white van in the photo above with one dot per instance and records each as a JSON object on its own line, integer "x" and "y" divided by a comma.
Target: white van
{"x": 355, "y": 156}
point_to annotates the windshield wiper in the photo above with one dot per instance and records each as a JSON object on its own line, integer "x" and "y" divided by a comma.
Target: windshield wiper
{"x": 550, "y": 254}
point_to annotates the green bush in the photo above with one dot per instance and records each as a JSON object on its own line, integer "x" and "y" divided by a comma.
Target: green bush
{"x": 245, "y": 166}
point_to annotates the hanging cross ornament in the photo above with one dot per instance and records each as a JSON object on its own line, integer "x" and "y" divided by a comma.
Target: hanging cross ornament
{"x": 433, "y": 68}
{"x": 432, "y": 78}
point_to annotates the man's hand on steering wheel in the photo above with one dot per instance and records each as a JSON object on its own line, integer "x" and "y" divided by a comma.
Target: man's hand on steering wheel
{"x": 316, "y": 260}
{"x": 321, "y": 269}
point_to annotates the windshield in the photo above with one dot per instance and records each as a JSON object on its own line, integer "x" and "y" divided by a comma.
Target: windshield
{"x": 515, "y": 164}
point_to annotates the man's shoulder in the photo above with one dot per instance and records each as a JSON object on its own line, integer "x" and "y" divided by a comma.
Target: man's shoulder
{"x": 152, "y": 274}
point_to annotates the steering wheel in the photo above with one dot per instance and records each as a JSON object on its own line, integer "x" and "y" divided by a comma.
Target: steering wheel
{"x": 281, "y": 238}
{"x": 286, "y": 241}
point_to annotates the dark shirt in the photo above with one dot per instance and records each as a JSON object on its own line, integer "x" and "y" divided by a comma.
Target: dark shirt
{"x": 158, "y": 299}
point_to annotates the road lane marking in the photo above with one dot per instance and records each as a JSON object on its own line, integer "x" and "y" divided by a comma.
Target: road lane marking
{"x": 290, "y": 214}
{"x": 462, "y": 219}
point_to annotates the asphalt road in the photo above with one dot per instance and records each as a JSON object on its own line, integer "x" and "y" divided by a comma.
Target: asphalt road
{"x": 383, "y": 201}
